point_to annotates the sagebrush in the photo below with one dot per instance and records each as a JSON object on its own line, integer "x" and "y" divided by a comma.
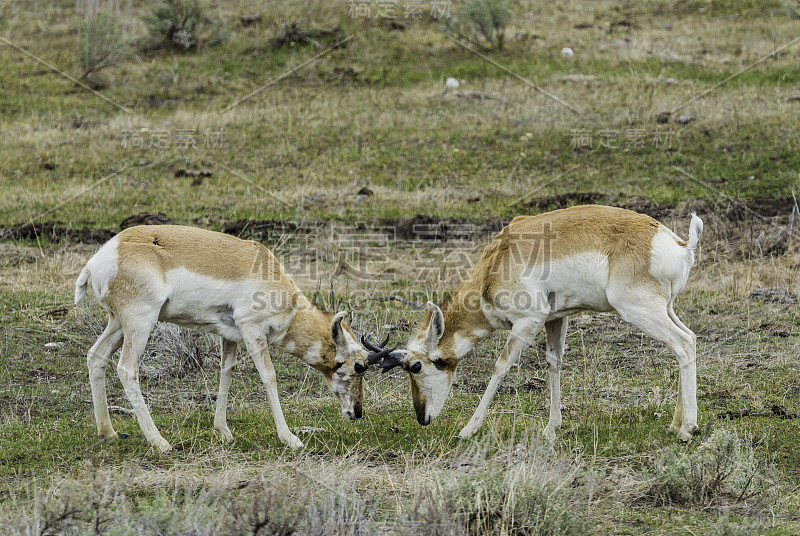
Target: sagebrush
{"x": 526, "y": 490}
{"x": 101, "y": 44}
{"x": 177, "y": 23}
{"x": 481, "y": 22}
{"x": 723, "y": 467}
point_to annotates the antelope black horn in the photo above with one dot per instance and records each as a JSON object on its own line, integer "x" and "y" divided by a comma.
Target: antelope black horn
{"x": 391, "y": 361}
{"x": 378, "y": 352}
{"x": 376, "y": 357}
{"x": 366, "y": 342}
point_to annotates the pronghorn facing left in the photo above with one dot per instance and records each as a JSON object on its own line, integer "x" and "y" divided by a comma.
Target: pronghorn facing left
{"x": 538, "y": 271}
{"x": 220, "y": 284}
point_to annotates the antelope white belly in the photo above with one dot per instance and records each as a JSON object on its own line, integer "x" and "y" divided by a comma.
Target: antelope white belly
{"x": 203, "y": 303}
{"x": 569, "y": 285}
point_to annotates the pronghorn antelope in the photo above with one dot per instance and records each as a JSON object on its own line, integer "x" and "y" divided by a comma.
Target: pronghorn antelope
{"x": 220, "y": 284}
{"x": 538, "y": 271}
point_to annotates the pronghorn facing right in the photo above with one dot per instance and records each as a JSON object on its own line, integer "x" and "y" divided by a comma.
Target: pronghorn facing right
{"x": 219, "y": 284}
{"x": 538, "y": 271}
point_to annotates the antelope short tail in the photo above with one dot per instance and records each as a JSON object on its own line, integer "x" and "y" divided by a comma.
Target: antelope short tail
{"x": 81, "y": 284}
{"x": 695, "y": 230}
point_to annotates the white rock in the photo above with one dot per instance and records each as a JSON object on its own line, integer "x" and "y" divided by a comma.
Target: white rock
{"x": 451, "y": 83}
{"x": 53, "y": 345}
{"x": 567, "y": 53}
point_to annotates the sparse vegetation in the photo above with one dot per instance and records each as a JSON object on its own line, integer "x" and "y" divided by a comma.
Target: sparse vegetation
{"x": 792, "y": 8}
{"x": 525, "y": 491}
{"x": 722, "y": 466}
{"x": 728, "y": 527}
{"x": 481, "y": 22}
{"x": 179, "y": 351}
{"x": 274, "y": 504}
{"x": 101, "y": 44}
{"x": 177, "y": 23}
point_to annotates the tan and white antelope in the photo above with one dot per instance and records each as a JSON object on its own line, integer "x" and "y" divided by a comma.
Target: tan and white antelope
{"x": 535, "y": 273}
{"x": 220, "y": 284}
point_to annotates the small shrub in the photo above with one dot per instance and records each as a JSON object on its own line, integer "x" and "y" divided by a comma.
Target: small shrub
{"x": 275, "y": 504}
{"x": 177, "y": 23}
{"x": 90, "y": 322}
{"x": 435, "y": 511}
{"x": 178, "y": 352}
{"x": 177, "y": 511}
{"x": 71, "y": 507}
{"x": 500, "y": 503}
{"x": 792, "y": 8}
{"x": 267, "y": 507}
{"x": 722, "y": 466}
{"x": 101, "y": 44}
{"x": 481, "y": 22}
{"x": 537, "y": 495}
{"x": 172, "y": 351}
{"x": 726, "y": 527}
{"x": 337, "y": 512}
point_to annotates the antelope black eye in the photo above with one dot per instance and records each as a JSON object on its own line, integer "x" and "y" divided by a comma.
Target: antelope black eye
{"x": 416, "y": 367}
{"x": 359, "y": 368}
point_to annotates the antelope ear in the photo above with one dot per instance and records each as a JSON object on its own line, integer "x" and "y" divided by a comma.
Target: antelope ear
{"x": 337, "y": 331}
{"x": 435, "y": 328}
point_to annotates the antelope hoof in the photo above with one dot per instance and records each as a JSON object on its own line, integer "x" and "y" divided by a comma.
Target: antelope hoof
{"x": 225, "y": 435}
{"x": 549, "y": 434}
{"x": 292, "y": 442}
{"x": 685, "y": 433}
{"x": 109, "y": 436}
{"x": 161, "y": 445}
{"x": 466, "y": 432}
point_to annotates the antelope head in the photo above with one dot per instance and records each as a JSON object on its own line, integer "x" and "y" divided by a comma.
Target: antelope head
{"x": 430, "y": 367}
{"x": 345, "y": 376}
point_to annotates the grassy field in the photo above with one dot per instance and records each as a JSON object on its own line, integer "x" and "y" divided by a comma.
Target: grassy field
{"x": 370, "y": 180}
